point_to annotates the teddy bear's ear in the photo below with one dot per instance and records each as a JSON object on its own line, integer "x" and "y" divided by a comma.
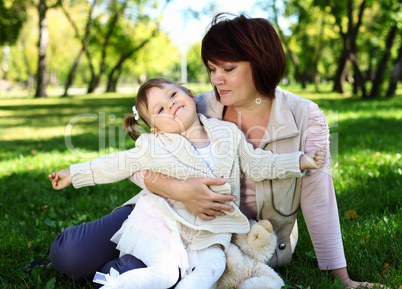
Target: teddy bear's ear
{"x": 267, "y": 225}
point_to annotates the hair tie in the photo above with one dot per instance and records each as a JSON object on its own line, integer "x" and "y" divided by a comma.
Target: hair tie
{"x": 135, "y": 112}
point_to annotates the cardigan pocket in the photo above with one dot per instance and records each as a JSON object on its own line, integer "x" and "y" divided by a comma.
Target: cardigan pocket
{"x": 286, "y": 196}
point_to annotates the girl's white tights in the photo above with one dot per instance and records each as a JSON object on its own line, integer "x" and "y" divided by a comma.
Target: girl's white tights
{"x": 209, "y": 267}
{"x": 162, "y": 275}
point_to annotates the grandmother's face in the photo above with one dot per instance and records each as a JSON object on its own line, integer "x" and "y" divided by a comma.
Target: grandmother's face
{"x": 234, "y": 82}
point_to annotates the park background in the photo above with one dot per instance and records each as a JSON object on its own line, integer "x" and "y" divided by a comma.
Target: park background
{"x": 69, "y": 70}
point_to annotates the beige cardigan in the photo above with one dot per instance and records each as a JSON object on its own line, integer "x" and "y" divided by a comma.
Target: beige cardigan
{"x": 277, "y": 200}
{"x": 175, "y": 156}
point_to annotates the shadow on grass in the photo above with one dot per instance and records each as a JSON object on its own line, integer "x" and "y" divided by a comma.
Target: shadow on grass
{"x": 370, "y": 133}
{"x": 51, "y": 114}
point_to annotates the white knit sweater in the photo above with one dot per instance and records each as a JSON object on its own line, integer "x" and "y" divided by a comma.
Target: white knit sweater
{"x": 175, "y": 156}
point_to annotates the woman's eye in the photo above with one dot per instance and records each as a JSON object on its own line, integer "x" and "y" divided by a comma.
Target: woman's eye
{"x": 160, "y": 110}
{"x": 211, "y": 69}
{"x": 173, "y": 94}
{"x": 229, "y": 69}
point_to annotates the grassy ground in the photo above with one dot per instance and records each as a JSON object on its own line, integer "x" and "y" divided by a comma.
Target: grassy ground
{"x": 38, "y": 136}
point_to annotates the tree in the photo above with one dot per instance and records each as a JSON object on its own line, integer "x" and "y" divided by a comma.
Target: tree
{"x": 129, "y": 45}
{"x": 396, "y": 74}
{"x": 388, "y": 16}
{"x": 12, "y": 19}
{"x": 158, "y": 58}
{"x": 42, "y": 7}
{"x": 348, "y": 18}
{"x": 303, "y": 39}
{"x": 84, "y": 39}
{"x": 379, "y": 75}
{"x": 102, "y": 37}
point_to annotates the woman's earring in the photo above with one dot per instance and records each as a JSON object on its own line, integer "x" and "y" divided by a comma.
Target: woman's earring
{"x": 258, "y": 100}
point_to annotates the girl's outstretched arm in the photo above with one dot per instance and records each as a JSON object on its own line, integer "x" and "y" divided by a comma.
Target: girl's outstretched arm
{"x": 60, "y": 179}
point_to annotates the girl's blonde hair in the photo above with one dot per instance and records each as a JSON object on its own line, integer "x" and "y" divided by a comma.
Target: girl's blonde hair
{"x": 141, "y": 104}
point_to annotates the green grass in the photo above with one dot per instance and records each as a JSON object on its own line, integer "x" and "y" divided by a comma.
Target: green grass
{"x": 367, "y": 169}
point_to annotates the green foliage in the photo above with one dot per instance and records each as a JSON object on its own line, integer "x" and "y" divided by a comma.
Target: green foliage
{"x": 367, "y": 175}
{"x": 196, "y": 70}
{"x": 12, "y": 17}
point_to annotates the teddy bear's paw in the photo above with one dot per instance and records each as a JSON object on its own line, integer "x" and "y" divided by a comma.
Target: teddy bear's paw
{"x": 267, "y": 225}
{"x": 258, "y": 237}
{"x": 234, "y": 259}
{"x": 261, "y": 282}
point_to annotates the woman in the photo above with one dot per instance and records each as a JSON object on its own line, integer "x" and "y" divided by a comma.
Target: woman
{"x": 246, "y": 62}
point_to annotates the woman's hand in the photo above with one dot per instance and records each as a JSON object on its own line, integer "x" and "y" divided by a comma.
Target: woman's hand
{"x": 348, "y": 283}
{"x": 195, "y": 194}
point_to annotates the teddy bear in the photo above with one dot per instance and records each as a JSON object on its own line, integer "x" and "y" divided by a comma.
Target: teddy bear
{"x": 247, "y": 257}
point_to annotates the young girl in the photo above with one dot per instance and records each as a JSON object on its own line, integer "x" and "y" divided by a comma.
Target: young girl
{"x": 163, "y": 233}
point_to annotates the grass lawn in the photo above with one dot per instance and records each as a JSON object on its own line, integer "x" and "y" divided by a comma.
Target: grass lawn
{"x": 38, "y": 136}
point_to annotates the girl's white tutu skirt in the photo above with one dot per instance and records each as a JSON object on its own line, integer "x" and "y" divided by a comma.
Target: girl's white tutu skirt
{"x": 148, "y": 234}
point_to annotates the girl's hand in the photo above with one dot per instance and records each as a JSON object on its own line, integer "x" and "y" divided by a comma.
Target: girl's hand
{"x": 314, "y": 159}
{"x": 60, "y": 179}
{"x": 195, "y": 194}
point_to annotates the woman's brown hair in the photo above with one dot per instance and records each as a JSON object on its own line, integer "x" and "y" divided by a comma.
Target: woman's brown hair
{"x": 141, "y": 104}
{"x": 246, "y": 39}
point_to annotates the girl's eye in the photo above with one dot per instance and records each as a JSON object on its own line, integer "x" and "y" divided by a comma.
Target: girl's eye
{"x": 160, "y": 110}
{"x": 173, "y": 94}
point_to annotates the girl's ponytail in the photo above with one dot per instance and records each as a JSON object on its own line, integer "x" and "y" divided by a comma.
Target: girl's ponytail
{"x": 130, "y": 124}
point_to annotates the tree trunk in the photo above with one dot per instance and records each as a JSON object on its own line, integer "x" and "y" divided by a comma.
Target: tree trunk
{"x": 341, "y": 72}
{"x": 349, "y": 47}
{"x": 116, "y": 71}
{"x": 95, "y": 79}
{"x": 113, "y": 80}
{"x": 42, "y": 45}
{"x": 93, "y": 83}
{"x": 359, "y": 80}
{"x": 71, "y": 74}
{"x": 379, "y": 75}
{"x": 84, "y": 42}
{"x": 396, "y": 74}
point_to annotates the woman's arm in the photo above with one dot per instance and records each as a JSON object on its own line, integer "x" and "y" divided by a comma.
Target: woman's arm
{"x": 194, "y": 193}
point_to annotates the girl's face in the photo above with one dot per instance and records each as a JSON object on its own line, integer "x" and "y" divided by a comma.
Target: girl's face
{"x": 171, "y": 110}
{"x": 234, "y": 82}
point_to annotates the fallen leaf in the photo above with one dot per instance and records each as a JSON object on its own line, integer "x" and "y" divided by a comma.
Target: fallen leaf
{"x": 29, "y": 167}
{"x": 29, "y": 245}
{"x": 351, "y": 214}
{"x": 33, "y": 152}
{"x": 44, "y": 208}
{"x": 386, "y": 267}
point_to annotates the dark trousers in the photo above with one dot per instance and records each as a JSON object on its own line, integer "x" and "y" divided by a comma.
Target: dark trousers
{"x": 80, "y": 251}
